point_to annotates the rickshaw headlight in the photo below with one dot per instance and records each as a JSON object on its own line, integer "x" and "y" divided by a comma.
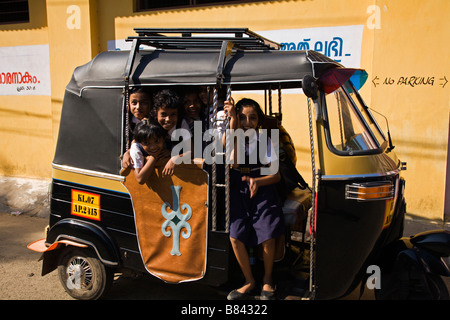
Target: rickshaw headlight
{"x": 370, "y": 191}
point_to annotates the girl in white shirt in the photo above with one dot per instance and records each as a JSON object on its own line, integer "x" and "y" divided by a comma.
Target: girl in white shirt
{"x": 255, "y": 212}
{"x": 147, "y": 148}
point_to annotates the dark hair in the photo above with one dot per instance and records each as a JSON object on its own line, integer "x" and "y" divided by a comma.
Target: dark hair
{"x": 245, "y": 102}
{"x": 137, "y": 89}
{"x": 133, "y": 90}
{"x": 166, "y": 98}
{"x": 145, "y": 130}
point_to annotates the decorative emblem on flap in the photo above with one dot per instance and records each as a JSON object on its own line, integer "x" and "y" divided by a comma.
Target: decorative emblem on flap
{"x": 176, "y": 220}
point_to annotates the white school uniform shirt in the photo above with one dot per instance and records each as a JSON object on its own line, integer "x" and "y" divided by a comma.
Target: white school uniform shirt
{"x": 137, "y": 156}
{"x": 184, "y": 125}
{"x": 269, "y": 156}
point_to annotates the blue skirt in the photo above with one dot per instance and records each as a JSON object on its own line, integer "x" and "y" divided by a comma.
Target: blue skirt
{"x": 254, "y": 220}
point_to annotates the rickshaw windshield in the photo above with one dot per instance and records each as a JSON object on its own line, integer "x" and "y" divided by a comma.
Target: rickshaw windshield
{"x": 351, "y": 130}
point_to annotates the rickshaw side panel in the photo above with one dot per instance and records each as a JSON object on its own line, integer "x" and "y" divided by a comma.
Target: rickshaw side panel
{"x": 111, "y": 233}
{"x": 347, "y": 232}
{"x": 90, "y": 131}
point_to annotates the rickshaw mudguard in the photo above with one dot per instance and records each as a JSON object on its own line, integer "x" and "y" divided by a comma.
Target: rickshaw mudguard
{"x": 86, "y": 233}
{"x": 435, "y": 241}
{"x": 51, "y": 252}
{"x": 171, "y": 218}
{"x": 426, "y": 250}
{"x": 428, "y": 262}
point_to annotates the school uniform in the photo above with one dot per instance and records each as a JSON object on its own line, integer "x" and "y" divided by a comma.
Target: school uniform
{"x": 133, "y": 122}
{"x": 138, "y": 155}
{"x": 254, "y": 220}
{"x": 169, "y": 143}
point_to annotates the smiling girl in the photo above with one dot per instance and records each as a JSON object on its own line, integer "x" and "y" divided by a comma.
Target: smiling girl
{"x": 147, "y": 148}
{"x": 255, "y": 213}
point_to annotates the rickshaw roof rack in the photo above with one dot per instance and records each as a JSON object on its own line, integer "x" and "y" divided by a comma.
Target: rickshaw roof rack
{"x": 188, "y": 38}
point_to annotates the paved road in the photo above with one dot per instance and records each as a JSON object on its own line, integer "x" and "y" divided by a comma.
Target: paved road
{"x": 19, "y": 267}
{"x": 20, "y": 270}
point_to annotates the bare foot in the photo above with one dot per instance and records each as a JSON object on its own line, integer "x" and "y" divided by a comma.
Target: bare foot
{"x": 268, "y": 287}
{"x": 268, "y": 284}
{"x": 246, "y": 288}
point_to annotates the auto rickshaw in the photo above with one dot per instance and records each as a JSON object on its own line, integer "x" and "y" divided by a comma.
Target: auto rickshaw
{"x": 344, "y": 226}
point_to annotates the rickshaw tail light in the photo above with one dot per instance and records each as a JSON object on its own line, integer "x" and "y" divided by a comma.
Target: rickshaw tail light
{"x": 370, "y": 191}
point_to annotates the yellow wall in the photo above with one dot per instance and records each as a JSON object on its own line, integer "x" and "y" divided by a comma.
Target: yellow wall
{"x": 404, "y": 38}
{"x": 25, "y": 122}
{"x": 73, "y": 41}
{"x": 413, "y": 42}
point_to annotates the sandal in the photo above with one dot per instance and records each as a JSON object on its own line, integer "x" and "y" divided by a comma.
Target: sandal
{"x": 236, "y": 295}
{"x": 267, "y": 295}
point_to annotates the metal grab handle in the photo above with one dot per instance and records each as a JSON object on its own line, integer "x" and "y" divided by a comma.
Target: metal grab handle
{"x": 228, "y": 150}
{"x": 312, "y": 248}
{"x": 214, "y": 166}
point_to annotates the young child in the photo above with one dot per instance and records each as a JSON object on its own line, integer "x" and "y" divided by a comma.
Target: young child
{"x": 255, "y": 212}
{"x": 193, "y": 109}
{"x": 195, "y": 120}
{"x": 147, "y": 148}
{"x": 139, "y": 103}
{"x": 167, "y": 112}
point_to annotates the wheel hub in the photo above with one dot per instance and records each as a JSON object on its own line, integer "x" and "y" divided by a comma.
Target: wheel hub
{"x": 79, "y": 273}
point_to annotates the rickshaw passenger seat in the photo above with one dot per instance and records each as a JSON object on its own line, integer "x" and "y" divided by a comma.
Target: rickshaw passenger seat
{"x": 295, "y": 209}
{"x": 298, "y": 201}
{"x": 270, "y": 122}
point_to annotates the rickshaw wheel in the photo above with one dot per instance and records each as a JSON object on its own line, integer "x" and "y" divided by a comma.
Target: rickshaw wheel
{"x": 82, "y": 274}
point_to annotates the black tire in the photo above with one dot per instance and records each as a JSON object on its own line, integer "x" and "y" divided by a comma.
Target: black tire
{"x": 83, "y": 275}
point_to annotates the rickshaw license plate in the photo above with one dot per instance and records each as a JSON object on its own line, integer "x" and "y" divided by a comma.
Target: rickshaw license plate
{"x": 389, "y": 213}
{"x": 85, "y": 204}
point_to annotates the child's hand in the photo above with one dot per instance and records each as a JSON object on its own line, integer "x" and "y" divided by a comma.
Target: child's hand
{"x": 229, "y": 108}
{"x": 169, "y": 168}
{"x": 127, "y": 161}
{"x": 253, "y": 185}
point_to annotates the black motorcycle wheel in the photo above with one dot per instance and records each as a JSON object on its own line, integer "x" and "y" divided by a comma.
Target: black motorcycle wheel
{"x": 82, "y": 274}
{"x": 412, "y": 283}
